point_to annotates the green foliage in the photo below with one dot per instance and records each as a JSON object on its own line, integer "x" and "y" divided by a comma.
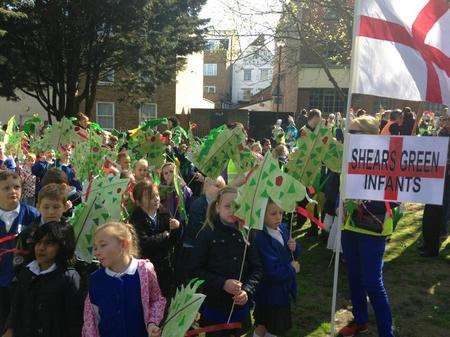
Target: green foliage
{"x": 58, "y": 50}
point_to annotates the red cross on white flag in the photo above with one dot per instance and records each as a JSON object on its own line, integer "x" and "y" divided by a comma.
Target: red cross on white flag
{"x": 402, "y": 50}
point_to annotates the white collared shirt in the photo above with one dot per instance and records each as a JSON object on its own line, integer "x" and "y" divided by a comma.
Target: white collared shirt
{"x": 8, "y": 217}
{"x": 276, "y": 234}
{"x": 131, "y": 269}
{"x": 36, "y": 270}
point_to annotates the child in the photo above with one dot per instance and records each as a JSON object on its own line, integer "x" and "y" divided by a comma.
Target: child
{"x": 39, "y": 169}
{"x": 169, "y": 200}
{"x": 217, "y": 259}
{"x": 141, "y": 170}
{"x": 157, "y": 233}
{"x": 197, "y": 216}
{"x": 277, "y": 251}
{"x": 124, "y": 161}
{"x": 28, "y": 180}
{"x": 6, "y": 162}
{"x": 124, "y": 297}
{"x": 197, "y": 213}
{"x": 46, "y": 300}
{"x": 52, "y": 203}
{"x": 14, "y": 217}
{"x": 63, "y": 163}
{"x": 56, "y": 176}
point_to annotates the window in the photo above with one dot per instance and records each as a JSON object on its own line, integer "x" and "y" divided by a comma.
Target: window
{"x": 216, "y": 44}
{"x": 209, "y": 89}
{"x": 105, "y": 114}
{"x": 210, "y": 69}
{"x": 246, "y": 94}
{"x": 327, "y": 100}
{"x": 107, "y": 78}
{"x": 147, "y": 111}
{"x": 264, "y": 74}
{"x": 247, "y": 74}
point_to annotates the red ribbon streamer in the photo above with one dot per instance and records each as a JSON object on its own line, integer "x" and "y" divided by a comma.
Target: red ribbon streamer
{"x": 307, "y": 214}
{"x": 388, "y": 208}
{"x": 213, "y": 328}
{"x": 7, "y": 238}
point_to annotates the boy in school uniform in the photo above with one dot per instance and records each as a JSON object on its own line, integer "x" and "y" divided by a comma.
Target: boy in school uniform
{"x": 14, "y": 217}
{"x": 52, "y": 203}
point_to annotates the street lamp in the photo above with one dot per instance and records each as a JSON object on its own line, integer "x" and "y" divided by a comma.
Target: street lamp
{"x": 280, "y": 45}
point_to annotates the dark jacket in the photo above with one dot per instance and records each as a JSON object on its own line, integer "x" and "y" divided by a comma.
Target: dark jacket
{"x": 218, "y": 257}
{"x": 47, "y": 305}
{"x": 157, "y": 243}
{"x": 197, "y": 216}
{"x": 71, "y": 174}
{"x": 279, "y": 280}
{"x": 39, "y": 169}
{"x": 27, "y": 216}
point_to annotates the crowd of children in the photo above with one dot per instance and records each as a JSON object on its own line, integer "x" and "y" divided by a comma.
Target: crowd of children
{"x": 46, "y": 291}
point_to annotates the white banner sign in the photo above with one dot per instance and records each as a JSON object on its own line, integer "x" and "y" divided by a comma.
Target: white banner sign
{"x": 394, "y": 168}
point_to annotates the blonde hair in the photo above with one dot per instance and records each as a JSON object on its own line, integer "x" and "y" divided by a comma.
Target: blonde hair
{"x": 366, "y": 124}
{"x": 211, "y": 214}
{"x": 32, "y": 156}
{"x": 169, "y": 163}
{"x": 142, "y": 162}
{"x": 122, "y": 232}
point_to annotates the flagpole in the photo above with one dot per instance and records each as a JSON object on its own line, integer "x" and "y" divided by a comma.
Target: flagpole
{"x": 344, "y": 169}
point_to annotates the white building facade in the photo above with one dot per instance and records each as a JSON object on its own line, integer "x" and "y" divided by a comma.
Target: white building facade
{"x": 252, "y": 71}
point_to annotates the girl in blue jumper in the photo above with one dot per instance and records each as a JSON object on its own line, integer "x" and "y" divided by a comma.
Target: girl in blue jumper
{"x": 124, "y": 298}
{"x": 273, "y": 296}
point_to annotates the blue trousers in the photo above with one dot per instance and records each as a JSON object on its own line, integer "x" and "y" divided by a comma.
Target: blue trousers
{"x": 364, "y": 257}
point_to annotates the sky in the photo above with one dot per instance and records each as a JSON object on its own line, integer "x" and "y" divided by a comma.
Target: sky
{"x": 249, "y": 17}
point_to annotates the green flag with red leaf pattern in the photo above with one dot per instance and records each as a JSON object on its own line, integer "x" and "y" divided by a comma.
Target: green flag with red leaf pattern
{"x": 103, "y": 204}
{"x": 313, "y": 150}
{"x": 267, "y": 181}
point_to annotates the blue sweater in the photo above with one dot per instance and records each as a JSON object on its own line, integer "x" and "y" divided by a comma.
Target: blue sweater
{"x": 27, "y": 216}
{"x": 119, "y": 303}
{"x": 71, "y": 175}
{"x": 279, "y": 280}
{"x": 39, "y": 169}
{"x": 9, "y": 163}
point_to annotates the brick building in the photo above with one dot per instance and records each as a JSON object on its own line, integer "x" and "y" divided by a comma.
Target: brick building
{"x": 221, "y": 50}
{"x": 178, "y": 97}
{"x": 304, "y": 83}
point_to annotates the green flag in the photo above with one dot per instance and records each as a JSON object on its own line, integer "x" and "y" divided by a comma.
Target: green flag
{"x": 267, "y": 181}
{"x": 221, "y": 145}
{"x": 183, "y": 310}
{"x": 103, "y": 204}
{"x": 313, "y": 150}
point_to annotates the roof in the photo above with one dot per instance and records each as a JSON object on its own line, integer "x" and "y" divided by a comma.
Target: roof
{"x": 262, "y": 96}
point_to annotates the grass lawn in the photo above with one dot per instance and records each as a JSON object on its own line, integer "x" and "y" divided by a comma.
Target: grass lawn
{"x": 418, "y": 288}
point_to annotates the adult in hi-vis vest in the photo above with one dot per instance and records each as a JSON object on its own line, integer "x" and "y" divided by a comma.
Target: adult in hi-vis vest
{"x": 392, "y": 127}
{"x": 363, "y": 244}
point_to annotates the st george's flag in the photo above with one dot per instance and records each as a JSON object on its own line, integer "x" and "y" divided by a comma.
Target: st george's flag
{"x": 402, "y": 50}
